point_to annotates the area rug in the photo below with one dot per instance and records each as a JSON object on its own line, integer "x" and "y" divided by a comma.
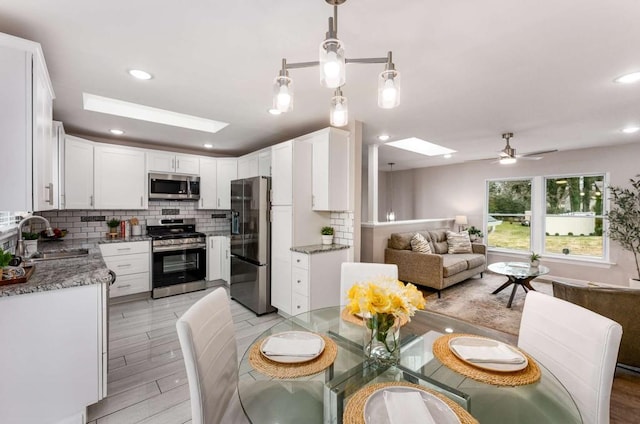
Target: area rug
{"x": 473, "y": 302}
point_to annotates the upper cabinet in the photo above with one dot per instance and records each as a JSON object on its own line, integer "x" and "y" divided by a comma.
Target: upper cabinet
{"x": 28, "y": 152}
{"x": 282, "y": 173}
{"x": 171, "y": 162}
{"x": 208, "y": 184}
{"x": 78, "y": 174}
{"x": 255, "y": 164}
{"x": 227, "y": 171}
{"x": 120, "y": 178}
{"x": 330, "y": 169}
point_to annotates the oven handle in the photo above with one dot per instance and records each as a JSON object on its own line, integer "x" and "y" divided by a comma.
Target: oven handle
{"x": 178, "y": 247}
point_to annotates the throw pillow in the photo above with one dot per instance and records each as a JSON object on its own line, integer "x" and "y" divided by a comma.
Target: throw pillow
{"x": 420, "y": 244}
{"x": 459, "y": 242}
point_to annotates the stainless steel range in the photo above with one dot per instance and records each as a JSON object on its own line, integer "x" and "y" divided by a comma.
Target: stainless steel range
{"x": 179, "y": 256}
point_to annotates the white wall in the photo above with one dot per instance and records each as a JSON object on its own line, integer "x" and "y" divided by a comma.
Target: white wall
{"x": 446, "y": 191}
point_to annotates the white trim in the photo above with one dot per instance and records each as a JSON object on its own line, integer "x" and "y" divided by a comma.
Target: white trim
{"x": 572, "y": 260}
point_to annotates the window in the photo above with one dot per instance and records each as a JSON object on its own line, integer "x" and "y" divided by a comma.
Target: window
{"x": 559, "y": 216}
{"x": 509, "y": 215}
{"x": 574, "y": 215}
{"x": 7, "y": 219}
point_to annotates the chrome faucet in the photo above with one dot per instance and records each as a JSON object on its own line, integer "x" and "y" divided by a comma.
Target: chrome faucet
{"x": 20, "y": 250}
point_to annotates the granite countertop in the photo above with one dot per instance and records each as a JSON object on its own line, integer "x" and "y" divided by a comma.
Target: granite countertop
{"x": 319, "y": 248}
{"x": 214, "y": 233}
{"x": 70, "y": 272}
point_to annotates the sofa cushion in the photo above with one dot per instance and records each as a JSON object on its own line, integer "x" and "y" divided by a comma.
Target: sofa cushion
{"x": 453, "y": 264}
{"x": 458, "y": 242}
{"x": 439, "y": 241}
{"x": 400, "y": 241}
{"x": 473, "y": 259}
{"x": 420, "y": 244}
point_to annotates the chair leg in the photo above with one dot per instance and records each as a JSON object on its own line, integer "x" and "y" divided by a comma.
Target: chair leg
{"x": 439, "y": 294}
{"x": 481, "y": 274}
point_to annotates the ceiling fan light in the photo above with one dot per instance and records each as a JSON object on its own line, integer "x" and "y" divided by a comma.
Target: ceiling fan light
{"x": 339, "y": 113}
{"x": 389, "y": 89}
{"x": 332, "y": 63}
{"x": 507, "y": 160}
{"x": 283, "y": 93}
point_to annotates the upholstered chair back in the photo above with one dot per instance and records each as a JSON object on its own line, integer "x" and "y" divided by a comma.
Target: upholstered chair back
{"x": 578, "y": 346}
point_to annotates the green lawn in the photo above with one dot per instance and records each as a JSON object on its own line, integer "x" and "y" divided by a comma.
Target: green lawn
{"x": 515, "y": 236}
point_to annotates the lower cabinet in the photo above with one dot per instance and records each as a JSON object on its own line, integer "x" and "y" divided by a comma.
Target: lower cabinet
{"x": 131, "y": 263}
{"x": 218, "y": 258}
{"x": 315, "y": 279}
{"x": 53, "y": 360}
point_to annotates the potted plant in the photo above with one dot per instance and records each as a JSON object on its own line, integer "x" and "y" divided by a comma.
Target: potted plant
{"x": 327, "y": 235}
{"x": 30, "y": 243}
{"x": 113, "y": 225}
{"x": 5, "y": 258}
{"x": 624, "y": 219}
{"x": 474, "y": 233}
{"x": 535, "y": 259}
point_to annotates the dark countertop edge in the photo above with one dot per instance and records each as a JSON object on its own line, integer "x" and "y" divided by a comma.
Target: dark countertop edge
{"x": 319, "y": 248}
{"x": 217, "y": 233}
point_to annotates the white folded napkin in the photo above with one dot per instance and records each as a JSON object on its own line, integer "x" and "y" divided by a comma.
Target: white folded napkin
{"x": 282, "y": 346}
{"x": 406, "y": 408}
{"x": 498, "y": 354}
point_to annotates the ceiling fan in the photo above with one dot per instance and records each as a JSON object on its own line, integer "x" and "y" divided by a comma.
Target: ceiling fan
{"x": 508, "y": 155}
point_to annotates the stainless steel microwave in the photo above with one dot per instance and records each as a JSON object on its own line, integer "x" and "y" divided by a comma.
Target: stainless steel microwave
{"x": 174, "y": 186}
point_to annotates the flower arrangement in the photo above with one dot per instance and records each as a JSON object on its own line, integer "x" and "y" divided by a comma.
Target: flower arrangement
{"x": 383, "y": 304}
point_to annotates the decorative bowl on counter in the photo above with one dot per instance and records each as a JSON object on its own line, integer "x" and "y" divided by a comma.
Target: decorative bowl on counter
{"x": 57, "y": 234}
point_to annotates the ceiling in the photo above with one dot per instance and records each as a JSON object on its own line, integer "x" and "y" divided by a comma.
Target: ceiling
{"x": 470, "y": 70}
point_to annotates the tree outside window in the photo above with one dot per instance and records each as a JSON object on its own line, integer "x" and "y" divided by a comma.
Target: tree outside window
{"x": 509, "y": 214}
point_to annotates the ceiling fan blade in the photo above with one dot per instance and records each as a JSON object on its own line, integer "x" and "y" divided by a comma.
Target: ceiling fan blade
{"x": 529, "y": 157}
{"x": 540, "y": 152}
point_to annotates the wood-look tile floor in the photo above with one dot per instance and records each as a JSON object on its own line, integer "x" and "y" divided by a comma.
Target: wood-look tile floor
{"x": 147, "y": 381}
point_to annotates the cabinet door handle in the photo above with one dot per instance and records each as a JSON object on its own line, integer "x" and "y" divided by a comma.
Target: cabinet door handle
{"x": 173, "y": 163}
{"x": 123, "y": 249}
{"x": 227, "y": 254}
{"x": 50, "y": 188}
{"x": 298, "y": 306}
{"x": 124, "y": 286}
{"x": 201, "y": 202}
{"x": 141, "y": 200}
{"x": 91, "y": 200}
{"x": 177, "y": 163}
{"x": 218, "y": 202}
{"x": 298, "y": 260}
{"x": 124, "y": 265}
{"x": 299, "y": 281}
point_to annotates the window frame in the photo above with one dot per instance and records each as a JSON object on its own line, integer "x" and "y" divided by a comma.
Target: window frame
{"x": 539, "y": 214}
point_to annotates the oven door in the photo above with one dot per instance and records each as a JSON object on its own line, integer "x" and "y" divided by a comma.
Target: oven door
{"x": 175, "y": 265}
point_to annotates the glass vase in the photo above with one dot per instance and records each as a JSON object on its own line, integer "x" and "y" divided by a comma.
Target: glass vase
{"x": 382, "y": 339}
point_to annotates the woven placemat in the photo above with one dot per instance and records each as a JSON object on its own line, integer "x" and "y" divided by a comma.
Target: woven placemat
{"x": 441, "y": 350}
{"x": 277, "y": 370}
{"x": 349, "y": 317}
{"x": 354, "y": 411}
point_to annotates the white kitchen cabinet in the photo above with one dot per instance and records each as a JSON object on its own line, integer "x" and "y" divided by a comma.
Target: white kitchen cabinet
{"x": 54, "y": 367}
{"x": 171, "y": 162}
{"x": 281, "y": 236}
{"x": 58, "y": 140}
{"x": 77, "y": 190}
{"x": 264, "y": 163}
{"x": 281, "y": 173}
{"x": 315, "y": 279}
{"x": 227, "y": 171}
{"x": 248, "y": 166}
{"x": 218, "y": 258}
{"x": 28, "y": 154}
{"x": 208, "y": 184}
{"x": 330, "y": 169}
{"x": 131, "y": 262}
{"x": 119, "y": 178}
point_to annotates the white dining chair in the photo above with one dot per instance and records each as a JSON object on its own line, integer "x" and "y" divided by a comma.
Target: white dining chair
{"x": 207, "y": 339}
{"x": 357, "y": 272}
{"x": 577, "y": 345}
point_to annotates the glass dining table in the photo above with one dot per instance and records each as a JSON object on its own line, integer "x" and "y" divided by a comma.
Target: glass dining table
{"x": 321, "y": 398}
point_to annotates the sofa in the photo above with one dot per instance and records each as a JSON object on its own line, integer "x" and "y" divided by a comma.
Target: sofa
{"x": 618, "y": 304}
{"x": 439, "y": 269}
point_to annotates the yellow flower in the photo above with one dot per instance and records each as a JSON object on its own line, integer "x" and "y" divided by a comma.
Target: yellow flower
{"x": 385, "y": 296}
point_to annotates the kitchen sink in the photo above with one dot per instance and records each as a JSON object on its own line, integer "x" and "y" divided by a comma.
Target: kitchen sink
{"x": 48, "y": 256}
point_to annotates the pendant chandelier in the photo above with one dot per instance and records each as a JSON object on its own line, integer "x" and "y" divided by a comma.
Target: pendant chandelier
{"x": 391, "y": 216}
{"x": 332, "y": 63}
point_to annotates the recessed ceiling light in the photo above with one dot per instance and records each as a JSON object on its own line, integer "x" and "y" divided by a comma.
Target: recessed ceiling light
{"x": 628, "y": 78}
{"x": 208, "y": 146}
{"x": 383, "y": 137}
{"x": 423, "y": 147}
{"x": 150, "y": 114}
{"x": 275, "y": 111}
{"x": 116, "y": 132}
{"x": 137, "y": 73}
{"x": 447, "y": 156}
{"x": 630, "y": 130}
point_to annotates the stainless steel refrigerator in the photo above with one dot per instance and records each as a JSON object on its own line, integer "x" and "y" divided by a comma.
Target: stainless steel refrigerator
{"x": 251, "y": 243}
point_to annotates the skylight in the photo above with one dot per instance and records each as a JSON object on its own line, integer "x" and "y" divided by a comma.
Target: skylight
{"x": 422, "y": 147}
{"x": 150, "y": 114}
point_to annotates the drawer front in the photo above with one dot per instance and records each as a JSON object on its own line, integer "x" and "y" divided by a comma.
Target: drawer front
{"x": 299, "y": 304}
{"x": 128, "y": 264}
{"x": 300, "y": 260}
{"x": 113, "y": 249}
{"x": 130, "y": 284}
{"x": 300, "y": 281}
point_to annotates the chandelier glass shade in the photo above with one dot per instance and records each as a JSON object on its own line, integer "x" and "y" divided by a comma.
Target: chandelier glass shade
{"x": 332, "y": 63}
